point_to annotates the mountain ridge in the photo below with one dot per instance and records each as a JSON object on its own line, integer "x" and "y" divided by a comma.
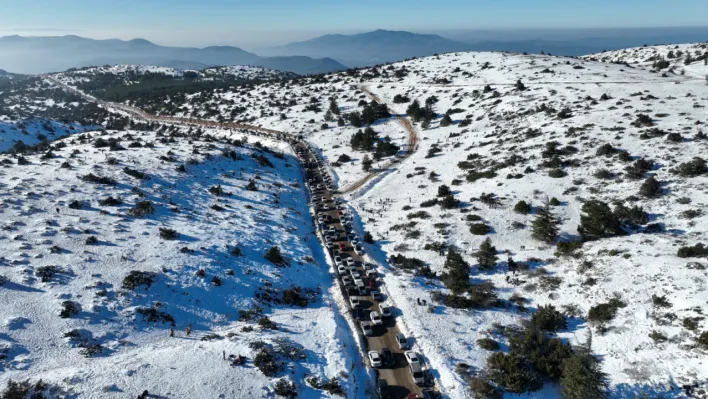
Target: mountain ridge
{"x": 43, "y": 54}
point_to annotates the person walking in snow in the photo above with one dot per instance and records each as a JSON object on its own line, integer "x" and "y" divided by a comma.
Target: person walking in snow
{"x": 189, "y": 329}
{"x": 172, "y": 332}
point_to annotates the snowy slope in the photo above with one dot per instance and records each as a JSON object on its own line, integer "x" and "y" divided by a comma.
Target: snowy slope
{"x": 506, "y": 129}
{"x": 503, "y": 127}
{"x": 501, "y": 124}
{"x": 681, "y": 58}
{"x": 128, "y": 71}
{"x": 49, "y": 214}
{"x": 32, "y": 111}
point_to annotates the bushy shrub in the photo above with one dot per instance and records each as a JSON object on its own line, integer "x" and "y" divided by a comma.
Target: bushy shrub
{"x": 547, "y": 318}
{"x": 136, "y": 278}
{"x": 598, "y": 221}
{"x": 488, "y": 344}
{"x": 480, "y": 229}
{"x": 69, "y": 309}
{"x": 522, "y": 207}
{"x": 697, "y": 251}
{"x": 267, "y": 362}
{"x": 274, "y": 256}
{"x": 650, "y": 188}
{"x": 142, "y": 208}
{"x": 285, "y": 388}
{"x": 168, "y": 234}
{"x": 605, "y": 312}
{"x": 91, "y": 178}
{"x": 695, "y": 167}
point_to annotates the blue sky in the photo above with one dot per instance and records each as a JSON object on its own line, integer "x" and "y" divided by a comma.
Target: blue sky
{"x": 268, "y": 22}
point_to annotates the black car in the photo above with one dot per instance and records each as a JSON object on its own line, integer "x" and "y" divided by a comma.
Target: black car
{"x": 387, "y": 357}
{"x": 382, "y": 389}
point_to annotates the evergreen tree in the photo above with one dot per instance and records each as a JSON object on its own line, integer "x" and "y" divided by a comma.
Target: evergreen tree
{"x": 328, "y": 116}
{"x": 333, "y": 107}
{"x": 443, "y": 190}
{"x": 446, "y": 120}
{"x": 366, "y": 163}
{"x": 355, "y": 119}
{"x": 414, "y": 111}
{"x": 487, "y": 255}
{"x": 582, "y": 376}
{"x": 449, "y": 202}
{"x": 426, "y": 124}
{"x": 520, "y": 85}
{"x": 545, "y": 226}
{"x": 598, "y": 221}
{"x": 340, "y": 121}
{"x": 457, "y": 272}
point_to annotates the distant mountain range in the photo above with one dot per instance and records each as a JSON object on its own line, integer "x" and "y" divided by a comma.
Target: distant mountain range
{"x": 36, "y": 55}
{"x": 370, "y": 48}
{"x": 322, "y": 54}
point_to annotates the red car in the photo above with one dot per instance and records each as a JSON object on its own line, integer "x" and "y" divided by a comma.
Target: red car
{"x": 342, "y": 246}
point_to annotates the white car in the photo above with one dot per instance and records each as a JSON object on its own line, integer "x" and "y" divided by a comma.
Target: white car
{"x": 338, "y": 260}
{"x": 347, "y": 280}
{"x": 368, "y": 328}
{"x": 412, "y": 357}
{"x": 401, "y": 341}
{"x": 341, "y": 270}
{"x": 358, "y": 250}
{"x": 376, "y": 318}
{"x": 355, "y": 274}
{"x": 354, "y": 301}
{"x": 375, "y": 359}
{"x": 385, "y": 309}
{"x": 372, "y": 273}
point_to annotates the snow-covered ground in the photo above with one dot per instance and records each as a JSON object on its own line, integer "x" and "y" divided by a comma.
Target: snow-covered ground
{"x": 499, "y": 127}
{"x": 688, "y": 59}
{"x": 130, "y": 71}
{"x": 518, "y": 120}
{"x": 61, "y": 241}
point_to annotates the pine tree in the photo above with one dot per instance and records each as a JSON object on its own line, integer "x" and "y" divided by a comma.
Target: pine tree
{"x": 446, "y": 120}
{"x": 443, "y": 190}
{"x": 457, "y": 272}
{"x": 366, "y": 163}
{"x": 414, "y": 111}
{"x": 333, "y": 107}
{"x": 545, "y": 226}
{"x": 328, "y": 116}
{"x": 598, "y": 221}
{"x": 582, "y": 375}
{"x": 487, "y": 255}
{"x": 426, "y": 124}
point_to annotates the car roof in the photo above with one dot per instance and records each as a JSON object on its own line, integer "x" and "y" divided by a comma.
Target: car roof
{"x": 400, "y": 335}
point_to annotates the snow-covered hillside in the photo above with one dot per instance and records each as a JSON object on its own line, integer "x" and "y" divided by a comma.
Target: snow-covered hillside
{"x": 691, "y": 59}
{"x": 510, "y": 128}
{"x": 129, "y": 72}
{"x": 112, "y": 238}
{"x": 31, "y": 111}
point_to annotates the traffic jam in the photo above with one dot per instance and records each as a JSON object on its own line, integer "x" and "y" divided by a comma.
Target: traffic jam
{"x": 358, "y": 279}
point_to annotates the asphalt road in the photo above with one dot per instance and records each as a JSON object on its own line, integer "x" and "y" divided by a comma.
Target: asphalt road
{"x": 398, "y": 376}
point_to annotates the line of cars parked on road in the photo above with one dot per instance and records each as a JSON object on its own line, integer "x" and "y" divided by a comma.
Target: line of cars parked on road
{"x": 359, "y": 279}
